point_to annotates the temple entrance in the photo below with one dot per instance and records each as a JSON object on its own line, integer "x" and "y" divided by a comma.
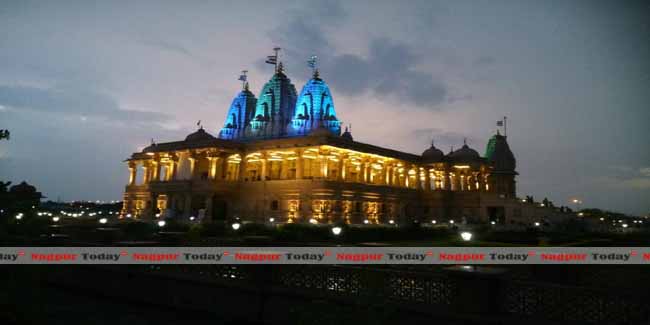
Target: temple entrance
{"x": 496, "y": 214}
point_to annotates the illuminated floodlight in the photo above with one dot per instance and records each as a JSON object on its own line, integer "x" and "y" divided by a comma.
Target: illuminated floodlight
{"x": 128, "y": 215}
{"x": 366, "y": 221}
{"x": 271, "y": 219}
{"x": 602, "y": 219}
{"x": 466, "y": 235}
{"x": 336, "y": 230}
{"x": 493, "y": 223}
{"x": 451, "y": 221}
{"x": 55, "y": 219}
{"x": 536, "y": 224}
{"x": 161, "y": 223}
{"x": 434, "y": 222}
{"x": 192, "y": 218}
{"x": 313, "y": 221}
{"x": 624, "y": 225}
{"x": 19, "y": 216}
{"x": 103, "y": 221}
{"x": 236, "y": 226}
{"x": 391, "y": 221}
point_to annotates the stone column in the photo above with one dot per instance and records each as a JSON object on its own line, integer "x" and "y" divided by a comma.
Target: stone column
{"x": 427, "y": 179}
{"x": 223, "y": 158}
{"x": 418, "y": 180}
{"x": 323, "y": 165}
{"x": 173, "y": 168}
{"x": 155, "y": 172}
{"x": 213, "y": 166}
{"x": 146, "y": 171}
{"x": 341, "y": 173}
{"x": 241, "y": 168}
{"x": 264, "y": 162}
{"x": 193, "y": 159}
{"x": 133, "y": 172}
{"x": 364, "y": 171}
{"x": 299, "y": 162}
{"x": 447, "y": 180}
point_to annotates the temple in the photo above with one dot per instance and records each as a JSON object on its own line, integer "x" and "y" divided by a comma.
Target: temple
{"x": 282, "y": 157}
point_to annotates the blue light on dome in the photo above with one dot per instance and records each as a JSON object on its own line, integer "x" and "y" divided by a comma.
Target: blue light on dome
{"x": 239, "y": 115}
{"x": 274, "y": 108}
{"x": 315, "y": 109}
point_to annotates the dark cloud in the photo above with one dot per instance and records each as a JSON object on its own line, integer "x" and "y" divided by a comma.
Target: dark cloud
{"x": 389, "y": 71}
{"x": 79, "y": 102}
{"x": 168, "y": 46}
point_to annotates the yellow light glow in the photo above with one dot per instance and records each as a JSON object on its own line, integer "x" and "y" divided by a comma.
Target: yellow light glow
{"x": 461, "y": 166}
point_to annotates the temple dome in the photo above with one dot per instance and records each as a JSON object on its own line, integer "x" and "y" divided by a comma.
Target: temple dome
{"x": 433, "y": 154}
{"x": 199, "y": 135}
{"x": 315, "y": 109}
{"x": 499, "y": 155}
{"x": 274, "y": 109}
{"x": 239, "y": 115}
{"x": 464, "y": 154}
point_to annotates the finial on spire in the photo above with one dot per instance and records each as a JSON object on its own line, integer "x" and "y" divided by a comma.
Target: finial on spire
{"x": 312, "y": 63}
{"x": 246, "y": 86}
{"x": 243, "y": 78}
{"x": 432, "y": 143}
{"x": 464, "y": 141}
{"x": 199, "y": 125}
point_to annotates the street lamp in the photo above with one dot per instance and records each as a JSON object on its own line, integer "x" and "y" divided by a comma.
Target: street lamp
{"x": 466, "y": 235}
{"x": 336, "y": 230}
{"x": 161, "y": 223}
{"x": 236, "y": 226}
{"x": 577, "y": 202}
{"x": 103, "y": 221}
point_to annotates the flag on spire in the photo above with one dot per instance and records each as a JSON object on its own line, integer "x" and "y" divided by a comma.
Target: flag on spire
{"x": 312, "y": 61}
{"x": 242, "y": 76}
{"x": 272, "y": 59}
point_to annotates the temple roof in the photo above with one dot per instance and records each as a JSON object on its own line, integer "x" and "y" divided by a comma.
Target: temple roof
{"x": 498, "y": 154}
{"x": 464, "y": 154}
{"x": 199, "y": 135}
{"x": 433, "y": 154}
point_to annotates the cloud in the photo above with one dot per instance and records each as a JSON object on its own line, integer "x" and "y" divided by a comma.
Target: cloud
{"x": 626, "y": 177}
{"x": 389, "y": 71}
{"x": 72, "y": 102}
{"x": 484, "y": 61}
{"x": 168, "y": 46}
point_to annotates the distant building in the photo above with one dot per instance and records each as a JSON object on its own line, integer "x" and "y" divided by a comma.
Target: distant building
{"x": 19, "y": 196}
{"x": 283, "y": 156}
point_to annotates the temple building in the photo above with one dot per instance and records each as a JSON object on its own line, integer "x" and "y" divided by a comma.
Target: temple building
{"x": 284, "y": 156}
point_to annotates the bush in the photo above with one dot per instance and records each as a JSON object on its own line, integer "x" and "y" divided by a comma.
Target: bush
{"x": 138, "y": 230}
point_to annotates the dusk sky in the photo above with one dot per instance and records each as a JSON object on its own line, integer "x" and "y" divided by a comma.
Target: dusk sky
{"x": 83, "y": 84}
